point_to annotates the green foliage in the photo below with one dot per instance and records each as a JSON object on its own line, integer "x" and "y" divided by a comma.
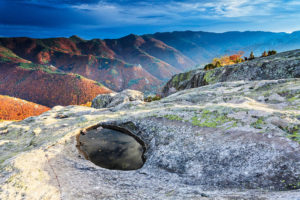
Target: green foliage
{"x": 6, "y": 55}
{"x": 294, "y": 134}
{"x": 78, "y": 76}
{"x": 209, "y": 77}
{"x": 239, "y": 60}
{"x": 259, "y": 123}
{"x": 293, "y": 99}
{"x": 173, "y": 117}
{"x": 152, "y": 98}
{"x": 251, "y": 57}
{"x": 218, "y": 64}
{"x": 209, "y": 66}
{"x": 176, "y": 79}
{"x": 45, "y": 68}
{"x": 99, "y": 84}
{"x": 28, "y": 65}
{"x": 3, "y": 59}
{"x": 9, "y": 54}
{"x": 156, "y": 98}
{"x": 210, "y": 119}
{"x": 272, "y": 52}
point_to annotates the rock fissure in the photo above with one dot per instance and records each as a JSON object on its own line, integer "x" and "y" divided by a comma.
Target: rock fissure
{"x": 55, "y": 176}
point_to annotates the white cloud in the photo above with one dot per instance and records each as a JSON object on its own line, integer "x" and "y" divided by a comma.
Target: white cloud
{"x": 153, "y": 13}
{"x": 129, "y": 14}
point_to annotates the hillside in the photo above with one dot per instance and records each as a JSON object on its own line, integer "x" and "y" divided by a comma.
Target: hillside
{"x": 130, "y": 62}
{"x": 17, "y": 109}
{"x": 44, "y": 84}
{"x": 156, "y": 57}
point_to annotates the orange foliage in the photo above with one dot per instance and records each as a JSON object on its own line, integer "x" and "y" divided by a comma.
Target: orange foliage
{"x": 18, "y": 109}
{"x": 48, "y": 89}
{"x": 225, "y": 60}
{"x": 229, "y": 60}
{"x": 95, "y": 59}
{"x": 88, "y": 104}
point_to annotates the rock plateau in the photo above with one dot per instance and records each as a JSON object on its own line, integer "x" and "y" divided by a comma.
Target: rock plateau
{"x": 228, "y": 140}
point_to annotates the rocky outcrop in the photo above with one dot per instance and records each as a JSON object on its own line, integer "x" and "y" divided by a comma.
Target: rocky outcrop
{"x": 280, "y": 66}
{"x": 115, "y": 99}
{"x": 230, "y": 140}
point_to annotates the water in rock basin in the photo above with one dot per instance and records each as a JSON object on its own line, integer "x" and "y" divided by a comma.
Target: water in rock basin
{"x": 112, "y": 149}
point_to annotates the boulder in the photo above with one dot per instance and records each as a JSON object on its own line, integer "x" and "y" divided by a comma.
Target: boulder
{"x": 115, "y": 99}
{"x": 215, "y": 142}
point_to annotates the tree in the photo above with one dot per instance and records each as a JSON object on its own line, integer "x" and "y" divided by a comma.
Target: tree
{"x": 251, "y": 56}
{"x": 235, "y": 58}
{"x": 209, "y": 66}
{"x": 225, "y": 60}
{"x": 218, "y": 64}
{"x": 215, "y": 61}
{"x": 272, "y": 52}
{"x": 264, "y": 54}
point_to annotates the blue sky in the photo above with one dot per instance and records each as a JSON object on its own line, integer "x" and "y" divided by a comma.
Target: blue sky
{"x": 116, "y": 18}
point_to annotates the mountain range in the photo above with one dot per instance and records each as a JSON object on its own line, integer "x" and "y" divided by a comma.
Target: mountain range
{"x": 201, "y": 47}
{"x": 64, "y": 71}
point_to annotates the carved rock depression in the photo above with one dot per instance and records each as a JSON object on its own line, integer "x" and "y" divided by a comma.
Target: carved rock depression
{"x": 112, "y": 148}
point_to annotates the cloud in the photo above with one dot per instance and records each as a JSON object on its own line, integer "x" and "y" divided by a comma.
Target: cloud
{"x": 166, "y": 11}
{"x": 56, "y": 2}
{"x": 136, "y": 16}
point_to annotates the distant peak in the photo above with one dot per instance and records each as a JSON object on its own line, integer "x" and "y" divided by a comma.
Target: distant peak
{"x": 76, "y": 38}
{"x": 131, "y": 36}
{"x": 132, "y": 39}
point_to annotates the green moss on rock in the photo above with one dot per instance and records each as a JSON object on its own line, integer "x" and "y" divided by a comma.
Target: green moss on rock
{"x": 210, "y": 119}
{"x": 173, "y": 117}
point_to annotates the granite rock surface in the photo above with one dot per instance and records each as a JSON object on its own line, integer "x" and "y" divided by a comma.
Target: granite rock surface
{"x": 229, "y": 140}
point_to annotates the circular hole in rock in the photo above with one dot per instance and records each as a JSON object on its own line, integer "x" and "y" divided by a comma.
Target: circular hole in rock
{"x": 112, "y": 148}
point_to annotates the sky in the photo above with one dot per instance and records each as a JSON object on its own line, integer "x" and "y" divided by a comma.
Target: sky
{"x": 116, "y": 18}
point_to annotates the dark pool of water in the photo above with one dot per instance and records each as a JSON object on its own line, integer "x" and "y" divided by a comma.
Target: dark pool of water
{"x": 112, "y": 149}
